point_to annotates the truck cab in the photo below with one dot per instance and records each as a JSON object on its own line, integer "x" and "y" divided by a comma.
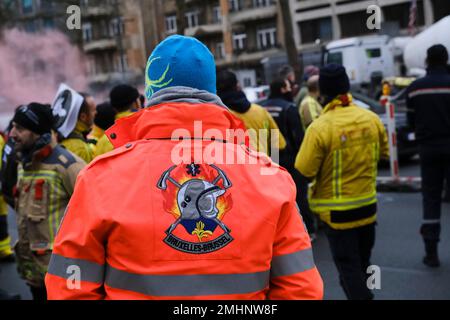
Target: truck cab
{"x": 367, "y": 59}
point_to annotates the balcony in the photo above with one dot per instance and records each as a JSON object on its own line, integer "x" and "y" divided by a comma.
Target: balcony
{"x": 100, "y": 44}
{"x": 97, "y": 11}
{"x": 253, "y": 14}
{"x": 257, "y": 55}
{"x": 205, "y": 29}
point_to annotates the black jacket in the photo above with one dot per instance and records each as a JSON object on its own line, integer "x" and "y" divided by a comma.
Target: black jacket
{"x": 286, "y": 115}
{"x": 428, "y": 103}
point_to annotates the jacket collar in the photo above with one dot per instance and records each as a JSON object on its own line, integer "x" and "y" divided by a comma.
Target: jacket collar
{"x": 175, "y": 118}
{"x": 437, "y": 70}
{"x": 340, "y": 101}
{"x": 42, "y": 149}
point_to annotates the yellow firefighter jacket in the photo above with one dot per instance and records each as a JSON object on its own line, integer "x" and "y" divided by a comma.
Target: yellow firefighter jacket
{"x": 340, "y": 153}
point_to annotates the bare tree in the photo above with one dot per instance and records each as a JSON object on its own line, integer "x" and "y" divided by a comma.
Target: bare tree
{"x": 289, "y": 40}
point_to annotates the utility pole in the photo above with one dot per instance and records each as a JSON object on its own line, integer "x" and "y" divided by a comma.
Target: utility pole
{"x": 181, "y": 20}
{"x": 226, "y": 30}
{"x": 289, "y": 40}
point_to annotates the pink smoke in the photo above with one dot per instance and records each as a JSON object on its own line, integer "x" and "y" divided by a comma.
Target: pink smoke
{"x": 33, "y": 65}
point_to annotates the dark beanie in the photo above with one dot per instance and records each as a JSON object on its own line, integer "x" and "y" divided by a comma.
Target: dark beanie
{"x": 437, "y": 55}
{"x": 333, "y": 80}
{"x": 105, "y": 116}
{"x": 122, "y": 96}
{"x": 35, "y": 117}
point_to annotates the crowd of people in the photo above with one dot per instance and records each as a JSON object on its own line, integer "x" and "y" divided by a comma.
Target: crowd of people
{"x": 109, "y": 199}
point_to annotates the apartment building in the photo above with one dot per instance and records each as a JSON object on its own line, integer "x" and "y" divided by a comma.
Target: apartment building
{"x": 39, "y": 15}
{"x": 238, "y": 32}
{"x": 320, "y": 21}
{"x": 113, "y": 42}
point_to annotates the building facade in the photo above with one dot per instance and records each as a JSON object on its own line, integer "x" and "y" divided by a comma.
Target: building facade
{"x": 113, "y": 42}
{"x": 245, "y": 34}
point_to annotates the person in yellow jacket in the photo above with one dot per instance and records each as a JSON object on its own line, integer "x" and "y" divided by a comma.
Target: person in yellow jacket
{"x": 340, "y": 153}
{"x": 5, "y": 240}
{"x": 310, "y": 108}
{"x": 46, "y": 178}
{"x": 104, "y": 118}
{"x": 77, "y": 142}
{"x": 123, "y": 99}
{"x": 263, "y": 130}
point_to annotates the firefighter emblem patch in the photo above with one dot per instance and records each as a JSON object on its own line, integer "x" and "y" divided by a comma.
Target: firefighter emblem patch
{"x": 196, "y": 195}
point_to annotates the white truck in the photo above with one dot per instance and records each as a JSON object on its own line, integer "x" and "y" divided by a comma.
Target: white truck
{"x": 416, "y": 50}
{"x": 368, "y": 59}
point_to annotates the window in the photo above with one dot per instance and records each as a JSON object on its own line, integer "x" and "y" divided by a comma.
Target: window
{"x": 220, "y": 50}
{"x": 217, "y": 14}
{"x": 312, "y": 30}
{"x": 262, "y": 3}
{"x": 191, "y": 19}
{"x": 118, "y": 63}
{"x": 234, "y": 5}
{"x": 334, "y": 57}
{"x": 239, "y": 41}
{"x": 116, "y": 27}
{"x": 247, "y": 82}
{"x": 87, "y": 32}
{"x": 91, "y": 66}
{"x": 171, "y": 24}
{"x": 373, "y": 53}
{"x": 266, "y": 38}
{"x": 49, "y": 23}
{"x": 27, "y": 6}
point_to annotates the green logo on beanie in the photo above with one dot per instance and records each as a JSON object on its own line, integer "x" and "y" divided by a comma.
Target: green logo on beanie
{"x": 159, "y": 83}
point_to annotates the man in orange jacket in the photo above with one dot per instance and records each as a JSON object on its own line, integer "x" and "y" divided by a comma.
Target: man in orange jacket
{"x": 171, "y": 218}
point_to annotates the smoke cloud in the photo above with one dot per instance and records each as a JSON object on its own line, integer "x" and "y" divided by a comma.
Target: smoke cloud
{"x": 33, "y": 65}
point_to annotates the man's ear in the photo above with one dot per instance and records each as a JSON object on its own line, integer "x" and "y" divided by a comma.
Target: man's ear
{"x": 83, "y": 117}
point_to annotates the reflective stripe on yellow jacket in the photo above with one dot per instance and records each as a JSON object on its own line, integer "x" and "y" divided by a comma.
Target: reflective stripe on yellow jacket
{"x": 104, "y": 145}
{"x": 258, "y": 121}
{"x": 340, "y": 151}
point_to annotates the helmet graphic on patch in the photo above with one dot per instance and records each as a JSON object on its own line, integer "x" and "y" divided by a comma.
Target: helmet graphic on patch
{"x": 196, "y": 196}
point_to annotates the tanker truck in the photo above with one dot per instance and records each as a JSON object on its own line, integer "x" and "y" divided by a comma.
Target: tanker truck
{"x": 416, "y": 50}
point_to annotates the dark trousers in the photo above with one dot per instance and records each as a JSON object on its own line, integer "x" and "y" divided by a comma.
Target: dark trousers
{"x": 435, "y": 166}
{"x": 3, "y": 227}
{"x": 39, "y": 293}
{"x": 301, "y": 184}
{"x": 351, "y": 250}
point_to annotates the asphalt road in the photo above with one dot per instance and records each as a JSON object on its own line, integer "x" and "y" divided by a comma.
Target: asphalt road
{"x": 398, "y": 252}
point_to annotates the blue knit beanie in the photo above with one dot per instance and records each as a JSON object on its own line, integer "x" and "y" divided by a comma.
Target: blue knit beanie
{"x": 180, "y": 61}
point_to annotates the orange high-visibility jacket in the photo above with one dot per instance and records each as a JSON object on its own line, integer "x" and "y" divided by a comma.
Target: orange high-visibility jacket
{"x": 141, "y": 226}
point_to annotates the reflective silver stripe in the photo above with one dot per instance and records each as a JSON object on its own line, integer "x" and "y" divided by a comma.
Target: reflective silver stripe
{"x": 431, "y": 221}
{"x": 429, "y": 91}
{"x": 292, "y": 263}
{"x": 187, "y": 285}
{"x": 63, "y": 267}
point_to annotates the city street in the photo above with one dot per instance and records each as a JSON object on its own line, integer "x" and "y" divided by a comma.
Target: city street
{"x": 398, "y": 252}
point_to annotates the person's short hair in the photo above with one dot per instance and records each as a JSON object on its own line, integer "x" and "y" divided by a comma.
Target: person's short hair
{"x": 284, "y": 71}
{"x": 313, "y": 83}
{"x": 84, "y": 105}
{"x": 105, "y": 116}
{"x": 437, "y": 55}
{"x": 123, "y": 96}
{"x": 226, "y": 81}
{"x": 276, "y": 86}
